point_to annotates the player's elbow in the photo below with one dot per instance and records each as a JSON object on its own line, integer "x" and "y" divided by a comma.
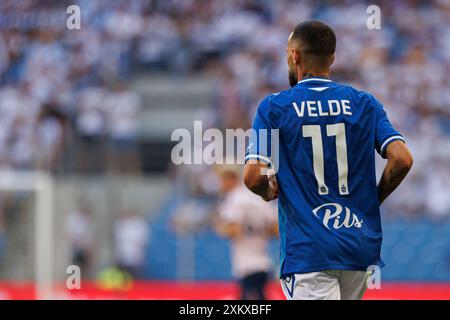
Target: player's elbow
{"x": 250, "y": 181}
{"x": 408, "y": 161}
{"x": 404, "y": 161}
{"x": 400, "y": 156}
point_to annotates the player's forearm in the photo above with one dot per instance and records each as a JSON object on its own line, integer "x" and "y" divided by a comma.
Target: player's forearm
{"x": 257, "y": 183}
{"x": 393, "y": 174}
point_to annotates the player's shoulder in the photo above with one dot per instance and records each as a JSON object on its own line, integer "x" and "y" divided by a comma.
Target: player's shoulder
{"x": 285, "y": 96}
{"x": 275, "y": 98}
{"x": 361, "y": 97}
{"x": 350, "y": 89}
{"x": 274, "y": 106}
{"x": 276, "y": 103}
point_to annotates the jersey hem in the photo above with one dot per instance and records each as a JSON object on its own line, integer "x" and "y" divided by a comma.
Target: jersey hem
{"x": 325, "y": 267}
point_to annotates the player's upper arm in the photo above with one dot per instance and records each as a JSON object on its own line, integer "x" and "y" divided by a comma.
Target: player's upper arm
{"x": 385, "y": 133}
{"x": 399, "y": 153}
{"x": 258, "y": 153}
{"x": 259, "y": 147}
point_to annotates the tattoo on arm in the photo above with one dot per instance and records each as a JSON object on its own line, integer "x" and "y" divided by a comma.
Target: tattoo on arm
{"x": 390, "y": 181}
{"x": 395, "y": 175}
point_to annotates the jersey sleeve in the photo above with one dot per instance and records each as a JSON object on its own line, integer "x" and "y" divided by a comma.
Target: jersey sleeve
{"x": 259, "y": 147}
{"x": 385, "y": 133}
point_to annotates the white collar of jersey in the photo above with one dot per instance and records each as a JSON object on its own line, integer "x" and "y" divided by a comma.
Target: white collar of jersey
{"x": 315, "y": 79}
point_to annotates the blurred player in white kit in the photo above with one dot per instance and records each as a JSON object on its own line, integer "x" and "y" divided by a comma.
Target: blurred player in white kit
{"x": 249, "y": 223}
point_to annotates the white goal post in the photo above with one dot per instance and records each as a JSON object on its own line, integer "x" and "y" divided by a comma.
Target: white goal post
{"x": 41, "y": 185}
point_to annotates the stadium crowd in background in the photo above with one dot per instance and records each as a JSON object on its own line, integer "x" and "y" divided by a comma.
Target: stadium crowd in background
{"x": 63, "y": 100}
{"x": 63, "y": 95}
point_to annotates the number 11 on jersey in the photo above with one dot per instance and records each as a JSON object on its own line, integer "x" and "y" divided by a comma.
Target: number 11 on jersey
{"x": 337, "y": 130}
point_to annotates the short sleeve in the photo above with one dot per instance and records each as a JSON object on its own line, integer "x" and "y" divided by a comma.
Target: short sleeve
{"x": 385, "y": 133}
{"x": 259, "y": 147}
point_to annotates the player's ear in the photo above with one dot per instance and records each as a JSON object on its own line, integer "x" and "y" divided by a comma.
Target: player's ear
{"x": 332, "y": 59}
{"x": 297, "y": 57}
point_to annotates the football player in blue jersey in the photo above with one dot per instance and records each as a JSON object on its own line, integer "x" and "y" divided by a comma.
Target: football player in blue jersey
{"x": 329, "y": 199}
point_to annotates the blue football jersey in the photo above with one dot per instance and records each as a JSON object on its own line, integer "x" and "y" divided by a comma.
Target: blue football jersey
{"x": 329, "y": 216}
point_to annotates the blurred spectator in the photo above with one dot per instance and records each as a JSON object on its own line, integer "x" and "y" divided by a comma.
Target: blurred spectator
{"x": 91, "y": 127}
{"x": 49, "y": 136}
{"x": 80, "y": 231}
{"x": 231, "y": 113}
{"x": 250, "y": 223}
{"x": 123, "y": 111}
{"x": 131, "y": 237}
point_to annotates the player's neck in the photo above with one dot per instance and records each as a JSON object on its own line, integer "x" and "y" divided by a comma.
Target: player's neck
{"x": 313, "y": 74}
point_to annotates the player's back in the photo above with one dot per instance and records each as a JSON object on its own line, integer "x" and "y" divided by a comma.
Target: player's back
{"x": 328, "y": 207}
